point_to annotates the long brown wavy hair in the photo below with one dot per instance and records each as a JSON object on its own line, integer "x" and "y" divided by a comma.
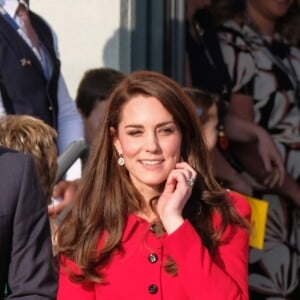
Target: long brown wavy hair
{"x": 106, "y": 195}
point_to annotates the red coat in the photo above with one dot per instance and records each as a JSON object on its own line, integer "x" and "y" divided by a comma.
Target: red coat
{"x": 138, "y": 273}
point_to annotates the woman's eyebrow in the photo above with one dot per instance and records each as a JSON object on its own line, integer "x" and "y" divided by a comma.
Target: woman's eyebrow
{"x": 142, "y": 126}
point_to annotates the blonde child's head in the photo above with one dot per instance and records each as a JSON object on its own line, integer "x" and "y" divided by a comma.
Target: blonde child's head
{"x": 32, "y": 136}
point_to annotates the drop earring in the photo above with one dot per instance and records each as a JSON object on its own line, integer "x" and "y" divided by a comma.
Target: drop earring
{"x": 121, "y": 160}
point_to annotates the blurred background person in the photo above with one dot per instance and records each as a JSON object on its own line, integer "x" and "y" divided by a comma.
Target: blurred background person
{"x": 206, "y": 69}
{"x": 27, "y": 266}
{"x": 92, "y": 97}
{"x": 266, "y": 87}
{"x": 264, "y": 65}
{"x": 33, "y": 136}
{"x": 92, "y": 100}
{"x": 207, "y": 110}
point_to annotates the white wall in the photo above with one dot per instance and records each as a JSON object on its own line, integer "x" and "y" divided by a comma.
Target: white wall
{"x": 84, "y": 30}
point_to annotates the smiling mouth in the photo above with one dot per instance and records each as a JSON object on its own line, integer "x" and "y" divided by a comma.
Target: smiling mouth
{"x": 151, "y": 162}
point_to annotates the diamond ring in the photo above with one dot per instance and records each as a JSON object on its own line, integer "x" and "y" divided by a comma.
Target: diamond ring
{"x": 190, "y": 181}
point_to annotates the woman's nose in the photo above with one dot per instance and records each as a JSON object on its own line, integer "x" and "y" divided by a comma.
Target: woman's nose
{"x": 152, "y": 143}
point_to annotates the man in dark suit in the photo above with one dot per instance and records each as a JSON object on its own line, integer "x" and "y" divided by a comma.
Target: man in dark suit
{"x": 27, "y": 266}
{"x": 30, "y": 79}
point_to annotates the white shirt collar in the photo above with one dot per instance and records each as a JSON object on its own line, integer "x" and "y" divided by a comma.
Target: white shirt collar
{"x": 10, "y": 6}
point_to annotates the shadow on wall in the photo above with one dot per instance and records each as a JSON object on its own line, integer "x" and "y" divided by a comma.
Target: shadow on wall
{"x": 111, "y": 51}
{"x": 126, "y": 51}
{"x": 139, "y": 42}
{"x": 155, "y": 41}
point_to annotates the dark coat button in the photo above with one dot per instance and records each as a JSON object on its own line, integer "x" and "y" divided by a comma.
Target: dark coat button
{"x": 152, "y": 258}
{"x": 152, "y": 289}
{"x": 153, "y": 228}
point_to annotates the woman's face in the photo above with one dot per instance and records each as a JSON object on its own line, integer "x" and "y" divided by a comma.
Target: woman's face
{"x": 149, "y": 141}
{"x": 273, "y": 9}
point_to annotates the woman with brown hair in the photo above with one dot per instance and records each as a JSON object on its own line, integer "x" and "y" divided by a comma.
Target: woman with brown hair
{"x": 149, "y": 217}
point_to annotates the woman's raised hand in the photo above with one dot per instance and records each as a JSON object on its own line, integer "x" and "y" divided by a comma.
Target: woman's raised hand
{"x": 177, "y": 191}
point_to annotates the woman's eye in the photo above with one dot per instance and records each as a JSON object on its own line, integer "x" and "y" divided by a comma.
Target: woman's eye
{"x": 134, "y": 132}
{"x": 167, "y": 130}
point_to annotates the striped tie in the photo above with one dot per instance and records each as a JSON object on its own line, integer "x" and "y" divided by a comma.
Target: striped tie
{"x": 26, "y": 25}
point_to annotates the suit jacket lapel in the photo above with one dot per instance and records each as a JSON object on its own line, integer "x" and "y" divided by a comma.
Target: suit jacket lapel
{"x": 19, "y": 46}
{"x": 46, "y": 40}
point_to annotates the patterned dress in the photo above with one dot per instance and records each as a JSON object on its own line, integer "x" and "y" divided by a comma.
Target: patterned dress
{"x": 268, "y": 69}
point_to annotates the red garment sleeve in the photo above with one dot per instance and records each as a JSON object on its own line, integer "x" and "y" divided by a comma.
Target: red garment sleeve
{"x": 70, "y": 290}
{"x": 221, "y": 276}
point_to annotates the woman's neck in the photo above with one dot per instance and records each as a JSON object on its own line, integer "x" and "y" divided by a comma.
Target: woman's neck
{"x": 264, "y": 24}
{"x": 148, "y": 193}
{"x": 147, "y": 215}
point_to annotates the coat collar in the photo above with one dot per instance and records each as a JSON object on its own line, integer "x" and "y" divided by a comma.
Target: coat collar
{"x": 133, "y": 222}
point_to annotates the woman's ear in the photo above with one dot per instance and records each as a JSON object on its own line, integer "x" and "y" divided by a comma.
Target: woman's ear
{"x": 116, "y": 140}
